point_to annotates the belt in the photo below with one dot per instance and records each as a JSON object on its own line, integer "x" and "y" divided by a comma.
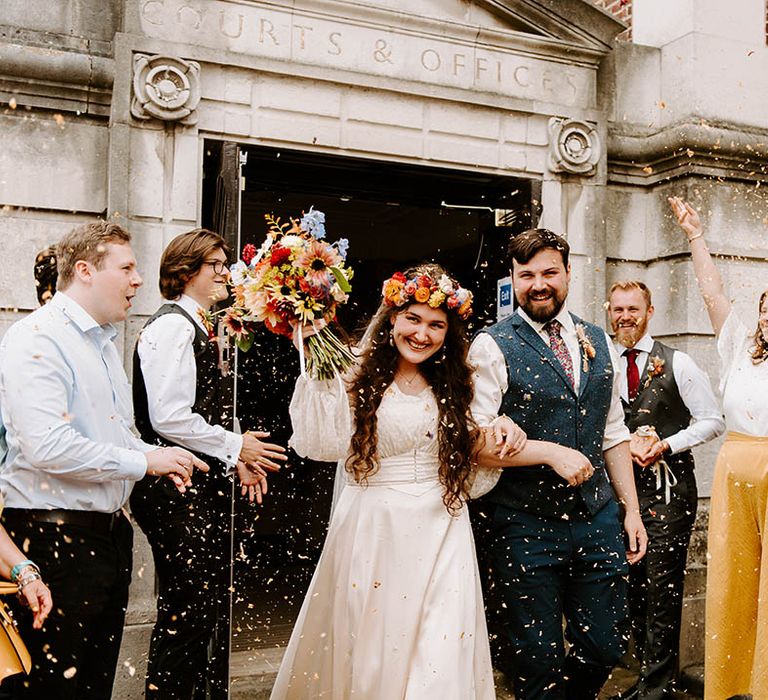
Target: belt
{"x": 102, "y": 522}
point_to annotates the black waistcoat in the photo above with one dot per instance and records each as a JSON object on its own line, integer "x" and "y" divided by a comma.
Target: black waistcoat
{"x": 658, "y": 403}
{"x": 213, "y": 395}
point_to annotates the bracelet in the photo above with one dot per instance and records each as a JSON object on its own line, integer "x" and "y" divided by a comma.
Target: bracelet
{"x": 28, "y": 578}
{"x": 16, "y": 570}
{"x": 698, "y": 235}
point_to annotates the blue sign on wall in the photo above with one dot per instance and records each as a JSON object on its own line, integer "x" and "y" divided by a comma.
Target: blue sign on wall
{"x": 504, "y": 306}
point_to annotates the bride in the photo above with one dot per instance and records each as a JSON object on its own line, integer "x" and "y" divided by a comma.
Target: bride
{"x": 394, "y": 610}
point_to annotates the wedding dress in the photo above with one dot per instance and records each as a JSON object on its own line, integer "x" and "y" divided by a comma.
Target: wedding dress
{"x": 394, "y": 610}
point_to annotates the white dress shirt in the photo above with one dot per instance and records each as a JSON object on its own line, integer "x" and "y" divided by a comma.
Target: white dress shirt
{"x": 491, "y": 378}
{"x": 67, "y": 408}
{"x": 167, "y": 355}
{"x": 695, "y": 391}
{"x": 744, "y": 385}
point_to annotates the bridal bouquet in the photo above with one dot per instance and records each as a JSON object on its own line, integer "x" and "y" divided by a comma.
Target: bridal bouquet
{"x": 295, "y": 278}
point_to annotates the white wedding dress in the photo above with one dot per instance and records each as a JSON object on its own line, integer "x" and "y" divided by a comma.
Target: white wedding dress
{"x": 394, "y": 610}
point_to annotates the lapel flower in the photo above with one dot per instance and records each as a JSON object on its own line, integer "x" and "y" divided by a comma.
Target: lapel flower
{"x": 655, "y": 369}
{"x": 587, "y": 349}
{"x": 206, "y": 318}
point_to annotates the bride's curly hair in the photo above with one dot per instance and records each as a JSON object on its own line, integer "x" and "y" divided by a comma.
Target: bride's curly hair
{"x": 449, "y": 376}
{"x": 759, "y": 351}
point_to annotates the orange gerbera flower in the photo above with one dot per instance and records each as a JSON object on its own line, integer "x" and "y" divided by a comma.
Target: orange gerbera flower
{"x": 317, "y": 259}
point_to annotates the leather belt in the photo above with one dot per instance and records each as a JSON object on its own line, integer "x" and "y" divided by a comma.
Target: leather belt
{"x": 101, "y": 522}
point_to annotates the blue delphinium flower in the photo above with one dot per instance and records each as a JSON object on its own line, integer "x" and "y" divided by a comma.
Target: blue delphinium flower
{"x": 342, "y": 245}
{"x": 313, "y": 222}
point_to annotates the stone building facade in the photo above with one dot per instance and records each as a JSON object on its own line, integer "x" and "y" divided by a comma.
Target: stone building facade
{"x": 138, "y": 110}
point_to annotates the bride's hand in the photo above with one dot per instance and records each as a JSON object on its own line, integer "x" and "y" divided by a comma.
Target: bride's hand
{"x": 307, "y": 330}
{"x": 509, "y": 437}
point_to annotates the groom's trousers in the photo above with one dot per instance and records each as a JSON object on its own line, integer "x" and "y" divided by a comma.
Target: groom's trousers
{"x": 190, "y": 540}
{"x": 545, "y": 569}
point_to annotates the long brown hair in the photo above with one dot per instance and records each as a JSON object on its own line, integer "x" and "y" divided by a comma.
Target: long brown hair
{"x": 760, "y": 350}
{"x": 449, "y": 376}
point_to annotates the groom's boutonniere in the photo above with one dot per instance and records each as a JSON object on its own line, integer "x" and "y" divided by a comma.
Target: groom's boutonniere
{"x": 655, "y": 369}
{"x": 587, "y": 349}
{"x": 207, "y": 319}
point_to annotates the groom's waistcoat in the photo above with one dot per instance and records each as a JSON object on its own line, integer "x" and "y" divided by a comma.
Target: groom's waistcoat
{"x": 543, "y": 402}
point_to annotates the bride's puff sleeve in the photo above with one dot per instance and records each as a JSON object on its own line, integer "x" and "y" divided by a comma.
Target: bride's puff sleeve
{"x": 321, "y": 420}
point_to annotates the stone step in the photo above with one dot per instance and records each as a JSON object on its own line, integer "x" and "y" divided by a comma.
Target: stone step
{"x": 253, "y": 673}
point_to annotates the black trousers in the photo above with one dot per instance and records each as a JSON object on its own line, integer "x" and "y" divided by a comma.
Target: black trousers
{"x": 656, "y": 582}
{"x": 190, "y": 540}
{"x": 545, "y": 569}
{"x": 88, "y": 570}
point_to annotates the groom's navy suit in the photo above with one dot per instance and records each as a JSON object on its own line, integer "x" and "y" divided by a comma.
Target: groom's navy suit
{"x": 557, "y": 550}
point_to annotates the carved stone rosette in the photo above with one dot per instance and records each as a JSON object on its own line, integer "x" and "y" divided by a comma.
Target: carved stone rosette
{"x": 574, "y": 146}
{"x": 165, "y": 88}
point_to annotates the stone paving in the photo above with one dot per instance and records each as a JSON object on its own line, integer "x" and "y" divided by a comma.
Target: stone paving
{"x": 258, "y": 686}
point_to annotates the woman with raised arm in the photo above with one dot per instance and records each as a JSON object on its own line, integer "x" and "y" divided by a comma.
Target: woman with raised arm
{"x": 395, "y": 607}
{"x": 736, "y": 645}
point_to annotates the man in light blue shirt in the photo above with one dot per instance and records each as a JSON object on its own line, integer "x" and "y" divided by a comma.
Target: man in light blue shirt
{"x": 72, "y": 460}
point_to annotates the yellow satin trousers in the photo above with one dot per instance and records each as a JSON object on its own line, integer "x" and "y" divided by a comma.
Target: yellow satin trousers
{"x": 736, "y": 645}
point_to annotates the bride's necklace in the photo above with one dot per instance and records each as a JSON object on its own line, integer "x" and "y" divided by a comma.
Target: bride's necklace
{"x": 408, "y": 381}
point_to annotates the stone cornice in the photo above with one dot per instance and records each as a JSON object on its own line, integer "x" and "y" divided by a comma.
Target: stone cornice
{"x": 53, "y": 78}
{"x": 572, "y": 20}
{"x": 727, "y": 151}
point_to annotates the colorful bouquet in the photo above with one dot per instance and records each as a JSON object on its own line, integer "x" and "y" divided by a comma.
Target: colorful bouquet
{"x": 295, "y": 278}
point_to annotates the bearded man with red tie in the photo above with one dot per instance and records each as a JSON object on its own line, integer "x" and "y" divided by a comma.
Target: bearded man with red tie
{"x": 670, "y": 408}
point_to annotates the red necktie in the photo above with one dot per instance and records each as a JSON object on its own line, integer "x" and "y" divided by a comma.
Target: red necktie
{"x": 557, "y": 345}
{"x": 633, "y": 374}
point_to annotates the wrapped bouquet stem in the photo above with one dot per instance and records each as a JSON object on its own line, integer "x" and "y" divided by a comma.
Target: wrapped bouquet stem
{"x": 326, "y": 357}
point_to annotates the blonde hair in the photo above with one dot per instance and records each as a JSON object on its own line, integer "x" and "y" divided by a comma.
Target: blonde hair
{"x": 89, "y": 243}
{"x": 627, "y": 285}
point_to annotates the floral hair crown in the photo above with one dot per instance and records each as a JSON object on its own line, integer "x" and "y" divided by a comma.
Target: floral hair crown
{"x": 398, "y": 290}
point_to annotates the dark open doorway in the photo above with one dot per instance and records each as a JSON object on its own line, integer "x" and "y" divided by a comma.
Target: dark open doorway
{"x": 394, "y": 215}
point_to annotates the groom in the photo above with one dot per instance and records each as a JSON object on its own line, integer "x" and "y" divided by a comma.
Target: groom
{"x": 556, "y": 550}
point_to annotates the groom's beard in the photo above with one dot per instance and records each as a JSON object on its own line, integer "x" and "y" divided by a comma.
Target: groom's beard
{"x": 542, "y": 305}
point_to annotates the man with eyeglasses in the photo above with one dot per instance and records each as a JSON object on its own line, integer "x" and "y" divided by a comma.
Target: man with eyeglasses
{"x": 180, "y": 399}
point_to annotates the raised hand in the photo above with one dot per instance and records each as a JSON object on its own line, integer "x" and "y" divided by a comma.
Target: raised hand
{"x": 710, "y": 283}
{"x": 687, "y": 217}
{"x": 306, "y": 331}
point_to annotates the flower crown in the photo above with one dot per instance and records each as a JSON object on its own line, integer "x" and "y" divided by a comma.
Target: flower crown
{"x": 398, "y": 290}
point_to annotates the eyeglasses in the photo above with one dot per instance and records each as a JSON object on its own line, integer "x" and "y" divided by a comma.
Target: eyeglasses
{"x": 219, "y": 266}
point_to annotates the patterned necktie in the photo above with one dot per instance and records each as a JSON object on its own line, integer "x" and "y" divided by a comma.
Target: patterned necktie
{"x": 557, "y": 344}
{"x": 633, "y": 374}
